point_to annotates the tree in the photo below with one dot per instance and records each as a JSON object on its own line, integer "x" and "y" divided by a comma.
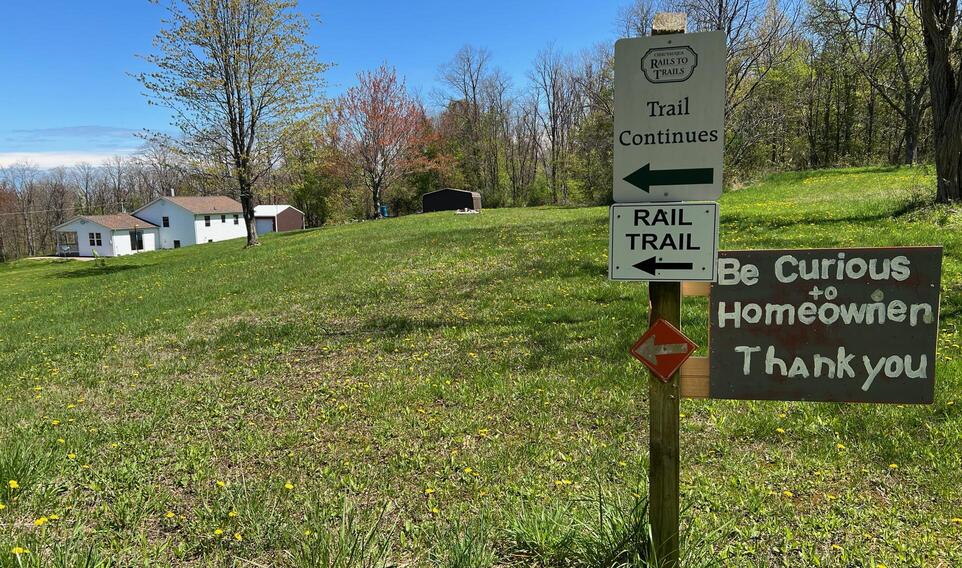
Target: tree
{"x": 885, "y": 42}
{"x": 235, "y": 72}
{"x": 943, "y": 48}
{"x": 552, "y": 78}
{"x": 382, "y": 131}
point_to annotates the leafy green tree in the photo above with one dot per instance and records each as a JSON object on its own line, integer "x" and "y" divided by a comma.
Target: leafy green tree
{"x": 234, "y": 73}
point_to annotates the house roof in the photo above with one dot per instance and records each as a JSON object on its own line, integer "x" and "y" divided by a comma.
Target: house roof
{"x": 273, "y": 210}
{"x": 211, "y": 204}
{"x": 116, "y": 222}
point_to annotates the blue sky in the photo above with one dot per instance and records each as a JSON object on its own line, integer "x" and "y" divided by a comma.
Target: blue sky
{"x": 67, "y": 95}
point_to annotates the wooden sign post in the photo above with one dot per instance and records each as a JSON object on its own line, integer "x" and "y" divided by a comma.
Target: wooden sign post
{"x": 664, "y": 300}
{"x": 669, "y": 115}
{"x": 663, "y": 396}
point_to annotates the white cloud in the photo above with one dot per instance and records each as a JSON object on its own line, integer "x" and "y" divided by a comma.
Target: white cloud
{"x": 48, "y": 160}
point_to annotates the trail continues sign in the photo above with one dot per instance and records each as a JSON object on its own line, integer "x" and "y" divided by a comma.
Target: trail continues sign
{"x": 669, "y": 117}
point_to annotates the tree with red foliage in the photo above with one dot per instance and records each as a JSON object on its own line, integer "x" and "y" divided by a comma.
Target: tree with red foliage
{"x": 383, "y": 131}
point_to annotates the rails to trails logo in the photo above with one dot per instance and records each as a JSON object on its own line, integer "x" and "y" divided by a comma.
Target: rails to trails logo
{"x": 669, "y": 64}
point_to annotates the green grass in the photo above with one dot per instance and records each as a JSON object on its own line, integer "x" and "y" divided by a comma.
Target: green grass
{"x": 446, "y": 390}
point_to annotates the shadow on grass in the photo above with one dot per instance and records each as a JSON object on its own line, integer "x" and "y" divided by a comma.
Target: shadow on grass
{"x": 90, "y": 271}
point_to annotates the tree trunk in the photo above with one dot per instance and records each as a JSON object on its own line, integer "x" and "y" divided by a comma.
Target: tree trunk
{"x": 242, "y": 167}
{"x": 870, "y": 129}
{"x": 376, "y": 199}
{"x": 247, "y": 201}
{"x": 911, "y": 131}
{"x": 945, "y": 85}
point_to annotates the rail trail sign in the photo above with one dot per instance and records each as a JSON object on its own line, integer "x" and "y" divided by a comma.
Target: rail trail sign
{"x": 841, "y": 325}
{"x": 669, "y": 117}
{"x": 663, "y": 242}
{"x": 663, "y": 349}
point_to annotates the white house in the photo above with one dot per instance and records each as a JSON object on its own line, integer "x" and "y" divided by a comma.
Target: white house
{"x": 108, "y": 235}
{"x": 185, "y": 221}
{"x": 280, "y": 218}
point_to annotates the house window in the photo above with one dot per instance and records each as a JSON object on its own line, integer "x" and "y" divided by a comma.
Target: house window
{"x": 210, "y": 240}
{"x": 236, "y": 220}
{"x": 207, "y": 220}
{"x": 223, "y": 218}
{"x": 176, "y": 244}
{"x": 136, "y": 240}
{"x": 96, "y": 240}
{"x": 166, "y": 221}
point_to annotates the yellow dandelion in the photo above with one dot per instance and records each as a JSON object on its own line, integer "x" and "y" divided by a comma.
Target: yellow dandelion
{"x": 41, "y": 521}
{"x": 53, "y": 517}
{"x": 61, "y": 441}
{"x": 468, "y": 470}
{"x": 238, "y": 537}
{"x": 71, "y": 456}
{"x": 232, "y": 514}
{"x": 893, "y": 466}
{"x": 218, "y": 532}
{"x": 428, "y": 491}
{"x": 13, "y": 484}
{"x": 169, "y": 515}
{"x": 566, "y": 481}
{"x": 840, "y": 446}
{"x": 622, "y": 464}
{"x": 788, "y": 493}
{"x": 55, "y": 422}
{"x": 836, "y": 547}
{"x": 957, "y": 520}
{"x": 221, "y": 483}
{"x": 435, "y": 510}
{"x": 780, "y": 430}
{"x": 288, "y": 485}
{"x": 307, "y": 532}
{"x": 830, "y": 497}
{"x": 557, "y": 483}
{"x": 18, "y": 550}
{"x": 2, "y": 506}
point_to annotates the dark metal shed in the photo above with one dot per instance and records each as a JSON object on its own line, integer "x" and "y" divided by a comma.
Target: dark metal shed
{"x": 449, "y": 199}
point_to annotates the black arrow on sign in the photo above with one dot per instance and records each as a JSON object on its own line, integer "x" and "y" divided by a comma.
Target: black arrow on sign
{"x": 645, "y": 177}
{"x": 651, "y": 266}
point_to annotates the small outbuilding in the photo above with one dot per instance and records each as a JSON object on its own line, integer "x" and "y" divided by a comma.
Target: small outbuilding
{"x": 449, "y": 199}
{"x": 277, "y": 218}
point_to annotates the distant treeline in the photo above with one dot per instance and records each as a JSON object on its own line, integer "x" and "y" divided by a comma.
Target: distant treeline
{"x": 830, "y": 83}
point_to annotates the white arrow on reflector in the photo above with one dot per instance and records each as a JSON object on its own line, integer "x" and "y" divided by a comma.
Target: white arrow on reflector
{"x": 650, "y": 352}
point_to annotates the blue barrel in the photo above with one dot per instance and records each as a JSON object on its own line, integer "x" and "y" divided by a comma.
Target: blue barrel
{"x": 384, "y": 211}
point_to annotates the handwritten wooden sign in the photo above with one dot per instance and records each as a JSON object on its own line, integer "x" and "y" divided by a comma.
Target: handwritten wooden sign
{"x": 843, "y": 325}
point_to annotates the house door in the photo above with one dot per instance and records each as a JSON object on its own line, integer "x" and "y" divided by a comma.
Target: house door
{"x": 136, "y": 240}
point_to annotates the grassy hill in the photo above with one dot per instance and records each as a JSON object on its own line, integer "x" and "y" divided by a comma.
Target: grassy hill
{"x": 454, "y": 388}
